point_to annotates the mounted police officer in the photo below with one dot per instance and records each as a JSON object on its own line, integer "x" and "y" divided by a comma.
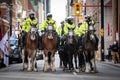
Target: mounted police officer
{"x": 30, "y": 21}
{"x": 60, "y": 30}
{"x": 45, "y": 25}
{"x": 85, "y": 25}
{"x": 69, "y": 24}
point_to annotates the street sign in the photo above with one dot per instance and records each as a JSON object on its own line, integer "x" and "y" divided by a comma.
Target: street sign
{"x": 102, "y": 32}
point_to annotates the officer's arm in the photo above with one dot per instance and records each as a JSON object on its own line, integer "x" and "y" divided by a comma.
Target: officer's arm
{"x": 36, "y": 23}
{"x": 82, "y": 29}
{"x": 58, "y": 31}
{"x": 55, "y": 26}
{"x": 43, "y": 26}
{"x": 65, "y": 29}
{"x": 24, "y": 26}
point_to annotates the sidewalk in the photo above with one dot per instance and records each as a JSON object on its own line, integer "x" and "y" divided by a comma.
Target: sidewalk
{"x": 111, "y": 63}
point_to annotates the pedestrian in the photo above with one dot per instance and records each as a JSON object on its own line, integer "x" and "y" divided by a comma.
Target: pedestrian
{"x": 115, "y": 55}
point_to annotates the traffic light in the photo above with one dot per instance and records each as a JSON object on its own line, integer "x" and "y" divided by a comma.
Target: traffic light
{"x": 77, "y": 9}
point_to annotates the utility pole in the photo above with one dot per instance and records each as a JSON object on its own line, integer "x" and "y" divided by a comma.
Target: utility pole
{"x": 102, "y": 29}
{"x": 10, "y": 6}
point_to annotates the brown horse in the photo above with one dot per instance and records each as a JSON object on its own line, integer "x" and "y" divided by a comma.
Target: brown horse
{"x": 88, "y": 42}
{"x": 30, "y": 49}
{"x": 49, "y": 45}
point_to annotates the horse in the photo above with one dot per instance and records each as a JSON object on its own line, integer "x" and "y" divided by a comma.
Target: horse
{"x": 70, "y": 49}
{"x": 88, "y": 43}
{"x": 50, "y": 47}
{"x": 30, "y": 50}
{"x": 61, "y": 55}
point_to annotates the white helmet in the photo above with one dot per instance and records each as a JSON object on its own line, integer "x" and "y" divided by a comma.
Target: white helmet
{"x": 31, "y": 12}
{"x": 70, "y": 18}
{"x": 49, "y": 14}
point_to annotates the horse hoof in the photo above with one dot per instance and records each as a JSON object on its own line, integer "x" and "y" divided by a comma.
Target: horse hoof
{"x": 29, "y": 70}
{"x": 36, "y": 70}
{"x": 53, "y": 70}
{"x": 87, "y": 71}
{"x": 77, "y": 70}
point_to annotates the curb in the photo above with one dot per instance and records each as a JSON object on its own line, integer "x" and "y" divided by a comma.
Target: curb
{"x": 111, "y": 63}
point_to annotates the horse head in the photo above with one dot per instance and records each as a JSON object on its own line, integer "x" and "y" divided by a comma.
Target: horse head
{"x": 90, "y": 32}
{"x": 33, "y": 32}
{"x": 89, "y": 39}
{"x": 50, "y": 31}
{"x": 70, "y": 36}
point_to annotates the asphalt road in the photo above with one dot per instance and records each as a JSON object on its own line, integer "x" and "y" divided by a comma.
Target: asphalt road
{"x": 106, "y": 72}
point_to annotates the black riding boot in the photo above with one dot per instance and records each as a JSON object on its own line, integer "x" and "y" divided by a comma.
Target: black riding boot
{"x": 24, "y": 39}
{"x": 79, "y": 45}
{"x": 96, "y": 45}
{"x": 38, "y": 40}
{"x": 58, "y": 42}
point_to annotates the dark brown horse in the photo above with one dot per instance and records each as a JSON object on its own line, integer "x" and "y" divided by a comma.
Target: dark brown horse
{"x": 49, "y": 46}
{"x": 88, "y": 42}
{"x": 30, "y": 49}
{"x": 70, "y": 49}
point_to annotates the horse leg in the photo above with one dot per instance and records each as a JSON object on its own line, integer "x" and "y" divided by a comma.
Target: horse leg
{"x": 23, "y": 59}
{"x": 70, "y": 62}
{"x": 29, "y": 63}
{"x": 53, "y": 61}
{"x": 34, "y": 61}
{"x": 86, "y": 62}
{"x": 81, "y": 61}
{"x": 45, "y": 62}
{"x": 94, "y": 64}
{"x": 29, "y": 60}
{"x": 60, "y": 57}
{"x": 75, "y": 60}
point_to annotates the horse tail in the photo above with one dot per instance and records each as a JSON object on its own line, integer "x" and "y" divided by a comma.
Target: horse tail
{"x": 49, "y": 57}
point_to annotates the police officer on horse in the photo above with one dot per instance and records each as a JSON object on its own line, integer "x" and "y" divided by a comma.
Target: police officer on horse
{"x": 85, "y": 25}
{"x": 30, "y": 21}
{"x": 45, "y": 25}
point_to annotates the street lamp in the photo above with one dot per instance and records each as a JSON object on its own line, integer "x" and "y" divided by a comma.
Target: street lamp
{"x": 102, "y": 30}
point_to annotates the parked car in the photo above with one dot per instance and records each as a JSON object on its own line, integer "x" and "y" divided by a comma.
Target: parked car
{"x": 15, "y": 54}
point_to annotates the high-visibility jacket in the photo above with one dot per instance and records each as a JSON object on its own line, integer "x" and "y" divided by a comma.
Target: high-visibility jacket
{"x": 45, "y": 24}
{"x": 83, "y": 28}
{"x": 60, "y": 30}
{"x": 27, "y": 24}
{"x": 69, "y": 26}
{"x": 77, "y": 31}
